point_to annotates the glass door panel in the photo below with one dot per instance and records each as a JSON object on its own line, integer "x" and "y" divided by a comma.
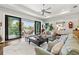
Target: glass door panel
{"x": 37, "y": 27}
{"x": 27, "y": 27}
{"x": 13, "y": 27}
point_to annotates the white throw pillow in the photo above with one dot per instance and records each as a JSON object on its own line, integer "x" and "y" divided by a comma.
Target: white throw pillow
{"x": 57, "y": 47}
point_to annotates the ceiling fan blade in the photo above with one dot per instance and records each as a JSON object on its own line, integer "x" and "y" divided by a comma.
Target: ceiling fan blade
{"x": 47, "y": 11}
{"x": 48, "y": 8}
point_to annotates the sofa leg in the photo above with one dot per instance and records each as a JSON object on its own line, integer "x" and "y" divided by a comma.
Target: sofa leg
{"x": 47, "y": 40}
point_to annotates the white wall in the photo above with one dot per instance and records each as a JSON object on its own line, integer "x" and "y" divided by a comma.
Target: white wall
{"x": 4, "y": 12}
{"x": 67, "y": 18}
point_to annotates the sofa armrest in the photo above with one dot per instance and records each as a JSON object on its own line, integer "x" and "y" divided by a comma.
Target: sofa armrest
{"x": 51, "y": 44}
{"x": 74, "y": 52}
{"x": 40, "y": 51}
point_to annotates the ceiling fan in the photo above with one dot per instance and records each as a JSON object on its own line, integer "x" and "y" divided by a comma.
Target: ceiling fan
{"x": 45, "y": 10}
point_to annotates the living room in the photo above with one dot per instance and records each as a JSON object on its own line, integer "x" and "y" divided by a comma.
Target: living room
{"x": 39, "y": 29}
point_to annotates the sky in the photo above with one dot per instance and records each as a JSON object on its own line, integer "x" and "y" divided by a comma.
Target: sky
{"x": 28, "y": 23}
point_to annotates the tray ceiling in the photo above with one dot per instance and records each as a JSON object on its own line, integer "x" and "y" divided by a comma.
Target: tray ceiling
{"x": 35, "y": 9}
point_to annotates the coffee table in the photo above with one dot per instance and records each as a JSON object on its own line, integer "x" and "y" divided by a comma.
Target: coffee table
{"x": 38, "y": 40}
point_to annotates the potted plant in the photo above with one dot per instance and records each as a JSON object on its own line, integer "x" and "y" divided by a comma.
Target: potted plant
{"x": 50, "y": 27}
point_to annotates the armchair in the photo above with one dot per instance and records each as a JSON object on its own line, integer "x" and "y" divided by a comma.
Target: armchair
{"x": 41, "y": 51}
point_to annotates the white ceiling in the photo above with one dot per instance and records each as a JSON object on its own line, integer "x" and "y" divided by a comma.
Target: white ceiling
{"x": 35, "y": 9}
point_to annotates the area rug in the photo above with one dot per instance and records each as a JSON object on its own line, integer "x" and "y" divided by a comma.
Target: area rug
{"x": 21, "y": 48}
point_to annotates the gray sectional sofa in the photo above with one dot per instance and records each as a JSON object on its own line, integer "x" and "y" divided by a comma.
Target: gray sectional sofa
{"x": 70, "y": 47}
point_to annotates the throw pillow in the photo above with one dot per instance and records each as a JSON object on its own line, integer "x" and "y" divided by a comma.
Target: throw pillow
{"x": 56, "y": 48}
{"x": 51, "y": 44}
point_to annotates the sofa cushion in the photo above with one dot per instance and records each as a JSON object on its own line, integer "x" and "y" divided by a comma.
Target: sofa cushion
{"x": 63, "y": 38}
{"x": 56, "y": 48}
{"x": 51, "y": 44}
{"x": 70, "y": 44}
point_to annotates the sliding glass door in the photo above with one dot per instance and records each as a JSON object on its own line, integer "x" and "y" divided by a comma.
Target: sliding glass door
{"x": 27, "y": 27}
{"x": 12, "y": 27}
{"x": 37, "y": 27}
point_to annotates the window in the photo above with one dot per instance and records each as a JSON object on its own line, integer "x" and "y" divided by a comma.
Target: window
{"x": 46, "y": 25}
